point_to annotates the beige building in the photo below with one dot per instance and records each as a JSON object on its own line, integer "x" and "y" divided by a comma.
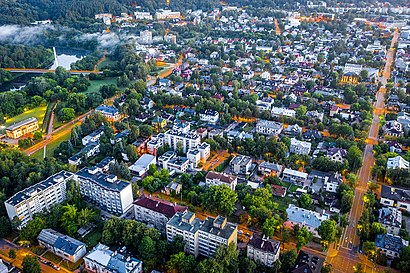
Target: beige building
{"x": 22, "y": 128}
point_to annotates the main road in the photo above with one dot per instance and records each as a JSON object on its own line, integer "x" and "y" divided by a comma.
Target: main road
{"x": 347, "y": 255}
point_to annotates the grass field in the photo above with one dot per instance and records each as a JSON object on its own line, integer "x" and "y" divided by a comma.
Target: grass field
{"x": 96, "y": 84}
{"x": 93, "y": 238}
{"x": 50, "y": 148}
{"x": 106, "y": 62}
{"x": 37, "y": 112}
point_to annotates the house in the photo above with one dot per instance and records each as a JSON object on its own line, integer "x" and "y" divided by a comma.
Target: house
{"x": 61, "y": 245}
{"x": 404, "y": 119}
{"x": 397, "y": 162}
{"x": 263, "y": 250}
{"x": 395, "y": 197}
{"x": 241, "y": 164}
{"x": 102, "y": 260}
{"x": 271, "y": 128}
{"x": 209, "y": 115}
{"x": 159, "y": 123}
{"x": 299, "y": 147}
{"x": 295, "y": 177}
{"x": 293, "y": 130}
{"x": 214, "y": 179}
{"x": 155, "y": 143}
{"x": 390, "y": 245}
{"x": 304, "y": 218}
{"x": 172, "y": 188}
{"x": 332, "y": 182}
{"x": 278, "y": 190}
{"x": 104, "y": 165}
{"x": 391, "y": 219}
{"x": 22, "y": 128}
{"x": 267, "y": 168}
{"x": 177, "y": 164}
{"x": 311, "y": 135}
{"x": 109, "y": 112}
{"x": 393, "y": 128}
{"x": 308, "y": 263}
{"x": 336, "y": 154}
{"x": 164, "y": 82}
{"x": 279, "y": 111}
{"x": 155, "y": 212}
{"x": 120, "y": 136}
{"x": 93, "y": 137}
{"x": 90, "y": 150}
{"x": 141, "y": 166}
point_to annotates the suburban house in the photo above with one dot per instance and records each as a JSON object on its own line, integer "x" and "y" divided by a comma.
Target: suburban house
{"x": 308, "y": 263}
{"x": 267, "y": 168}
{"x": 390, "y": 245}
{"x": 294, "y": 176}
{"x": 299, "y": 147}
{"x": 61, "y": 245}
{"x": 395, "y": 197}
{"x": 271, "y": 128}
{"x": 214, "y": 179}
{"x": 263, "y": 250}
{"x": 391, "y": 219}
{"x": 397, "y": 162}
{"x": 109, "y": 112}
{"x": 241, "y": 164}
{"x": 209, "y": 115}
{"x": 278, "y": 190}
{"x": 336, "y": 154}
{"x": 155, "y": 212}
{"x": 304, "y": 218}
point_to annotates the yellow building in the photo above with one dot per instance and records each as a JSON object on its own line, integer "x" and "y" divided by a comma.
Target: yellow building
{"x": 22, "y": 128}
{"x": 159, "y": 123}
{"x": 350, "y": 77}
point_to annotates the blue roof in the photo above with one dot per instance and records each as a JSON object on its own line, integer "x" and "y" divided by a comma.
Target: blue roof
{"x": 111, "y": 110}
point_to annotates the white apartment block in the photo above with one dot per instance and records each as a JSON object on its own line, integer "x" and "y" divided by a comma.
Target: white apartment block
{"x": 155, "y": 143}
{"x": 201, "y": 237}
{"x": 263, "y": 250}
{"x": 199, "y": 154}
{"x": 294, "y": 176}
{"x": 271, "y": 128}
{"x": 241, "y": 164}
{"x": 299, "y": 147}
{"x": 37, "y": 198}
{"x": 397, "y": 162}
{"x": 167, "y": 14}
{"x": 209, "y": 115}
{"x": 146, "y": 37}
{"x": 279, "y": 111}
{"x": 187, "y": 140}
{"x": 155, "y": 212}
{"x": 140, "y": 15}
{"x": 216, "y": 179}
{"x": 107, "y": 191}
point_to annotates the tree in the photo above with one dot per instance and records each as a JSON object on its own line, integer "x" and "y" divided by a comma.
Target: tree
{"x": 305, "y": 201}
{"x": 272, "y": 225}
{"x": 31, "y": 264}
{"x": 359, "y": 268}
{"x": 373, "y": 187}
{"x": 30, "y": 231}
{"x": 66, "y": 114}
{"x": 220, "y": 198}
{"x": 327, "y": 231}
{"x": 12, "y": 254}
{"x": 147, "y": 248}
{"x": 69, "y": 219}
{"x": 301, "y": 111}
{"x": 180, "y": 263}
{"x": 303, "y": 236}
{"x": 288, "y": 260}
{"x": 85, "y": 216}
{"x": 369, "y": 248}
{"x": 347, "y": 200}
{"x": 354, "y": 157}
{"x": 5, "y": 227}
{"x": 247, "y": 265}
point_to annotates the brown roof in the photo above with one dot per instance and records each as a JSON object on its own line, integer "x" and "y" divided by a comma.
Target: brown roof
{"x": 278, "y": 190}
{"x": 159, "y": 205}
{"x": 226, "y": 178}
{"x": 267, "y": 245}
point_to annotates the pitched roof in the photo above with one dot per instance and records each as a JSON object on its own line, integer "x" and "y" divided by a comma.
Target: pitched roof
{"x": 167, "y": 208}
{"x": 267, "y": 245}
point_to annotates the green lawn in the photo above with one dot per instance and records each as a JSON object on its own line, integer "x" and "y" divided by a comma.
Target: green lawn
{"x": 52, "y": 257}
{"x": 92, "y": 238}
{"x": 106, "y": 62}
{"x": 96, "y": 84}
{"x": 50, "y": 148}
{"x": 293, "y": 188}
{"x": 37, "y": 112}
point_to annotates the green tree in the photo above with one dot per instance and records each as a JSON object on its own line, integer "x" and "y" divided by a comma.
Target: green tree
{"x": 327, "y": 231}
{"x": 66, "y": 114}
{"x": 12, "y": 254}
{"x": 301, "y": 111}
{"x": 288, "y": 260}
{"x": 31, "y": 264}
{"x": 272, "y": 225}
{"x": 147, "y": 248}
{"x": 30, "y": 231}
{"x": 303, "y": 236}
{"x": 305, "y": 201}
{"x": 85, "y": 216}
{"x": 354, "y": 157}
{"x": 180, "y": 263}
{"x": 69, "y": 219}
{"x": 369, "y": 248}
{"x": 220, "y": 198}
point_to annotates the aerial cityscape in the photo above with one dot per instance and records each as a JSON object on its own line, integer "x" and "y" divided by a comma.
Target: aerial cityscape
{"x": 232, "y": 136}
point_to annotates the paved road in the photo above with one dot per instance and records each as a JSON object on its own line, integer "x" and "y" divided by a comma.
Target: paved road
{"x": 347, "y": 256}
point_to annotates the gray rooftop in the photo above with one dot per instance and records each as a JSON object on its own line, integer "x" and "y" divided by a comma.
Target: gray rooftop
{"x": 110, "y": 182}
{"x": 60, "y": 241}
{"x": 21, "y": 123}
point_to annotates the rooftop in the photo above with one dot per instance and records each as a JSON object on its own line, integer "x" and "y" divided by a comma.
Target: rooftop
{"x": 60, "y": 241}
{"x": 218, "y": 226}
{"x": 265, "y": 244}
{"x": 21, "y": 123}
{"x": 110, "y": 182}
{"x": 308, "y": 217}
{"x": 167, "y": 208}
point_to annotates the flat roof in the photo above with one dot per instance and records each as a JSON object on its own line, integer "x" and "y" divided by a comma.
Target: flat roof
{"x": 21, "y": 123}
{"x": 102, "y": 179}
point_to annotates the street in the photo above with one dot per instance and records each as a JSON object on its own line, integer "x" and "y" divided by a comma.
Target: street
{"x": 347, "y": 255}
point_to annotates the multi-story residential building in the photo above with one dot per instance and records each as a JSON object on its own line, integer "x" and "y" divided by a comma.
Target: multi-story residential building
{"x": 332, "y": 182}
{"x": 155, "y": 143}
{"x": 397, "y": 162}
{"x": 102, "y": 260}
{"x": 391, "y": 219}
{"x": 294, "y": 176}
{"x": 201, "y": 237}
{"x": 187, "y": 141}
{"x": 167, "y": 14}
{"x": 215, "y": 179}
{"x": 267, "y": 168}
{"x": 304, "y": 218}
{"x": 107, "y": 191}
{"x": 278, "y": 112}
{"x": 263, "y": 250}
{"x": 22, "y": 128}
{"x": 186, "y": 226}
{"x": 141, "y": 166}
{"x": 395, "y": 197}
{"x": 104, "y": 165}
{"x": 241, "y": 164}
{"x": 271, "y": 128}
{"x": 177, "y": 164}
{"x": 215, "y": 232}
{"x": 209, "y": 115}
{"x": 62, "y": 245}
{"x": 141, "y": 15}
{"x": 390, "y": 245}
{"x": 37, "y": 198}
{"x": 336, "y": 154}
{"x": 299, "y": 147}
{"x": 109, "y": 112}
{"x": 155, "y": 212}
{"x": 90, "y": 150}
{"x": 199, "y": 154}
{"x": 146, "y": 37}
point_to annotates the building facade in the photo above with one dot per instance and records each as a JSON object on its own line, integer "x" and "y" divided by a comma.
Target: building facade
{"x": 22, "y": 128}
{"x": 263, "y": 250}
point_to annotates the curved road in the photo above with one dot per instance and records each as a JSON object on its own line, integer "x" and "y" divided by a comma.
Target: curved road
{"x": 347, "y": 256}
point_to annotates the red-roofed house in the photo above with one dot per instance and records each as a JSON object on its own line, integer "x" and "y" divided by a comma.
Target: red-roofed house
{"x": 156, "y": 212}
{"x": 278, "y": 190}
{"x": 215, "y": 179}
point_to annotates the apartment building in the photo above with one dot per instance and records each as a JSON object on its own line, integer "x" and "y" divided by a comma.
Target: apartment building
{"x": 103, "y": 260}
{"x": 263, "y": 250}
{"x": 241, "y": 164}
{"x": 109, "y": 112}
{"x": 167, "y": 14}
{"x": 93, "y": 136}
{"x": 37, "y": 198}
{"x": 146, "y": 37}
{"x": 155, "y": 143}
{"x": 141, "y": 15}
{"x": 187, "y": 141}
{"x": 155, "y": 212}
{"x": 304, "y": 218}
{"x": 216, "y": 179}
{"x": 106, "y": 191}
{"x": 201, "y": 237}
{"x": 22, "y": 128}
{"x": 62, "y": 245}
{"x": 294, "y": 176}
{"x": 199, "y": 154}
{"x": 299, "y": 147}
{"x": 397, "y": 162}
{"x": 141, "y": 166}
{"x": 209, "y": 115}
{"x": 270, "y": 128}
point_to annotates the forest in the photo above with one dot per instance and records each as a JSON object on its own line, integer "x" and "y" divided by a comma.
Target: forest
{"x": 20, "y": 56}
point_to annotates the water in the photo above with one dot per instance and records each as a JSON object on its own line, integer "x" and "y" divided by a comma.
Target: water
{"x": 65, "y": 57}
